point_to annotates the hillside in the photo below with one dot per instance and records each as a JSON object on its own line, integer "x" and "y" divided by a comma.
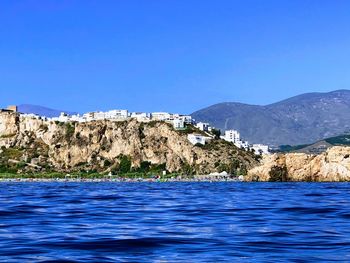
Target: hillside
{"x": 303, "y": 119}
{"x": 29, "y": 144}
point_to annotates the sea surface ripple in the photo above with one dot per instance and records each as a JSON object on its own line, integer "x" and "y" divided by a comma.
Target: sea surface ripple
{"x": 174, "y": 222}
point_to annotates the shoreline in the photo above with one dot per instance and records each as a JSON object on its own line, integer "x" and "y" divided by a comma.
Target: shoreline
{"x": 39, "y": 180}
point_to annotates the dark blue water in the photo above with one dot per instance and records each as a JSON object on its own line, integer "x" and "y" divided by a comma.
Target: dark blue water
{"x": 174, "y": 222}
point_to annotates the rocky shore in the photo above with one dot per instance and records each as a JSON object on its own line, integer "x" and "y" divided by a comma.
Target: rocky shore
{"x": 330, "y": 166}
{"x": 124, "y": 180}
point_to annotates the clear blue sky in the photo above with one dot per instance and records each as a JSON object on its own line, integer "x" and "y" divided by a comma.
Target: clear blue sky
{"x": 172, "y": 55}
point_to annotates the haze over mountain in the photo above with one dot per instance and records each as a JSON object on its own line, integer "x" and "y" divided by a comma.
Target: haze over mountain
{"x": 40, "y": 110}
{"x": 298, "y": 120}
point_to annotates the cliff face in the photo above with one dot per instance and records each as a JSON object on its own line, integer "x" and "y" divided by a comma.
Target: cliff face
{"x": 99, "y": 145}
{"x": 333, "y": 165}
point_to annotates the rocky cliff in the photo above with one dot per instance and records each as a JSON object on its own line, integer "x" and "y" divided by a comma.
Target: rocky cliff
{"x": 30, "y": 143}
{"x": 332, "y": 165}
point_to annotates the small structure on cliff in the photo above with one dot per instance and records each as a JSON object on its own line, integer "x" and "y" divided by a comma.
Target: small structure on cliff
{"x": 13, "y": 108}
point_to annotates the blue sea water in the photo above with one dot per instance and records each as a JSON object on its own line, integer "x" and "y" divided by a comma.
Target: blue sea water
{"x": 174, "y": 222}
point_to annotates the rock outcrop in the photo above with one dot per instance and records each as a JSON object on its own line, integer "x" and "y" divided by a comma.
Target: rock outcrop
{"x": 330, "y": 166}
{"x": 98, "y": 146}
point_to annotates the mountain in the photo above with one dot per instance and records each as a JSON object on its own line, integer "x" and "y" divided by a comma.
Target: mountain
{"x": 303, "y": 119}
{"x": 42, "y": 111}
{"x": 319, "y": 146}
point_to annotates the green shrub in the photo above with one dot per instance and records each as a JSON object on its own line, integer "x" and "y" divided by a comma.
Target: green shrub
{"x": 187, "y": 169}
{"x": 11, "y": 153}
{"x": 144, "y": 167}
{"x": 70, "y": 130}
{"x": 106, "y": 163}
{"x": 20, "y": 165}
{"x": 216, "y": 132}
{"x": 278, "y": 174}
{"x": 158, "y": 167}
{"x": 8, "y": 135}
{"x": 125, "y": 164}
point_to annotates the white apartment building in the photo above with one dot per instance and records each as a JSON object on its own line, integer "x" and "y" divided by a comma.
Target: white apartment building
{"x": 31, "y": 116}
{"x": 260, "y": 149}
{"x": 141, "y": 116}
{"x": 62, "y": 118}
{"x": 242, "y": 144}
{"x": 77, "y": 118}
{"x": 94, "y": 116}
{"x": 178, "y": 123}
{"x": 232, "y": 136}
{"x": 235, "y": 137}
{"x": 197, "y": 138}
{"x": 203, "y": 126}
{"x": 161, "y": 116}
{"x": 187, "y": 119}
{"x": 116, "y": 114}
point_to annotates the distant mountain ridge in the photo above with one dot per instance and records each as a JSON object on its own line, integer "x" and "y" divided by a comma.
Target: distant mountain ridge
{"x": 319, "y": 146}
{"x": 41, "y": 111}
{"x": 302, "y": 119}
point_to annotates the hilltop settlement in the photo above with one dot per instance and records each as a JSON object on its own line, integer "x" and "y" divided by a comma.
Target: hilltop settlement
{"x": 119, "y": 142}
{"x": 142, "y": 145}
{"x": 178, "y": 121}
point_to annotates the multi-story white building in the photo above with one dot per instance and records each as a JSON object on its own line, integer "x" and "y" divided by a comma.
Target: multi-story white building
{"x": 242, "y": 144}
{"x": 203, "y": 126}
{"x": 187, "y": 119}
{"x": 63, "y": 117}
{"x": 160, "y": 116}
{"x": 178, "y": 123}
{"x": 116, "y": 114}
{"x": 232, "y": 136}
{"x": 197, "y": 138}
{"x": 141, "y": 116}
{"x": 260, "y": 149}
{"x": 235, "y": 137}
{"x": 94, "y": 116}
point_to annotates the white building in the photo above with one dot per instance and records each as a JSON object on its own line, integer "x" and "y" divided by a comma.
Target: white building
{"x": 141, "y": 116}
{"x": 89, "y": 116}
{"x": 235, "y": 137}
{"x": 242, "y": 144}
{"x": 31, "y": 116}
{"x": 203, "y": 126}
{"x": 178, "y": 123}
{"x": 260, "y": 149}
{"x": 94, "y": 116}
{"x": 232, "y": 136}
{"x": 63, "y": 117}
{"x": 99, "y": 115}
{"x": 187, "y": 119}
{"x": 77, "y": 118}
{"x": 116, "y": 114}
{"x": 197, "y": 138}
{"x": 160, "y": 116}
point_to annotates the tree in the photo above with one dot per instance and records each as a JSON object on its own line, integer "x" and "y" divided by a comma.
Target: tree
{"x": 216, "y": 132}
{"x": 125, "y": 164}
{"x": 144, "y": 167}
